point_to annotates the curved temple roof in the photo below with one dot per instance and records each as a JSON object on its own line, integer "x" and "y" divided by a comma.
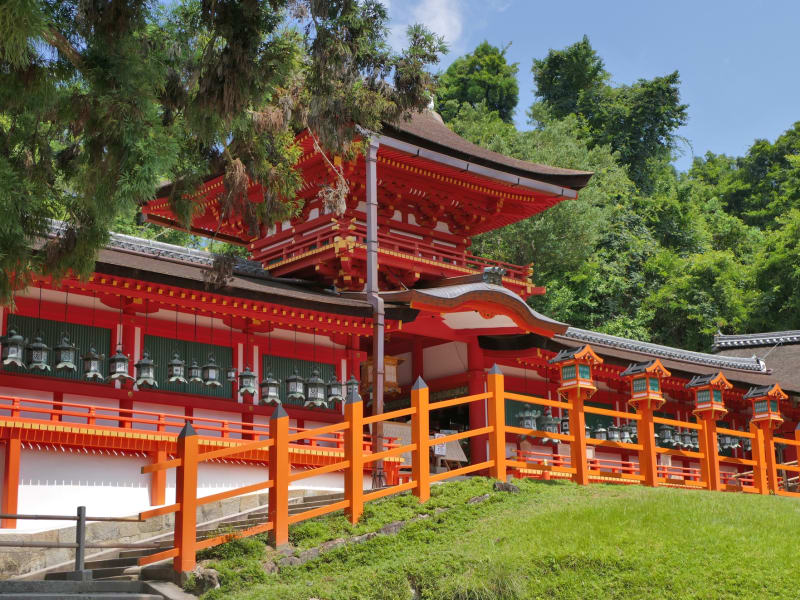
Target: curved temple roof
{"x": 482, "y": 297}
{"x": 428, "y": 130}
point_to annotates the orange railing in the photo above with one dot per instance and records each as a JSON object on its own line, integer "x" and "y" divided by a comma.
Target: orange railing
{"x": 357, "y": 455}
{"x": 51, "y": 411}
{"x": 352, "y": 467}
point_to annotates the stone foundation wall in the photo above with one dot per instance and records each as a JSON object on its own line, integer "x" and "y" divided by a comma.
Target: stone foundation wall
{"x": 33, "y": 562}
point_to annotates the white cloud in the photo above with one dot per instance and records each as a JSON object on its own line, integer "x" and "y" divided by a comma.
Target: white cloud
{"x": 441, "y": 16}
{"x": 444, "y": 17}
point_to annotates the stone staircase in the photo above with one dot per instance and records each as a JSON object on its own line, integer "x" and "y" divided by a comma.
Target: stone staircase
{"x": 121, "y": 578}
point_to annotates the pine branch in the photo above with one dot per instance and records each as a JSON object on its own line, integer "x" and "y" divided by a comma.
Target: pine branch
{"x": 62, "y": 44}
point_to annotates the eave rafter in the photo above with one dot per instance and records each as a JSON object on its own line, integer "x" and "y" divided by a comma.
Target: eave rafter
{"x": 214, "y": 304}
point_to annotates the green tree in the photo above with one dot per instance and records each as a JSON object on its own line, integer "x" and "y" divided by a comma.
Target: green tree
{"x": 761, "y": 186}
{"x": 481, "y": 76}
{"x": 777, "y": 269}
{"x": 100, "y": 102}
{"x": 564, "y": 75}
{"x": 638, "y": 121}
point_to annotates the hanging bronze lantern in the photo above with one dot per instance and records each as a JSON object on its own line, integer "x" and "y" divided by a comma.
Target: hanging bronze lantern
{"x": 118, "y": 365}
{"x": 565, "y": 425}
{"x": 38, "y": 354}
{"x": 295, "y": 388}
{"x": 65, "y": 355}
{"x": 613, "y": 433}
{"x": 270, "y": 390}
{"x": 247, "y": 382}
{"x": 195, "y": 373}
{"x": 230, "y": 374}
{"x": 146, "y": 372}
{"x": 316, "y": 390}
{"x": 334, "y": 391}
{"x": 91, "y": 364}
{"x": 352, "y": 386}
{"x": 686, "y": 438}
{"x": 600, "y": 433}
{"x": 211, "y": 372}
{"x": 665, "y": 434}
{"x": 13, "y": 349}
{"x": 176, "y": 369}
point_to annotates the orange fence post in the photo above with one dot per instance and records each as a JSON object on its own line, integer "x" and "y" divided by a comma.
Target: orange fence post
{"x": 709, "y": 464}
{"x": 759, "y": 456}
{"x": 279, "y": 471}
{"x": 767, "y": 462}
{"x": 648, "y": 459}
{"x": 11, "y": 461}
{"x": 497, "y": 421}
{"x": 186, "y": 496}
{"x": 158, "y": 479}
{"x": 577, "y": 428}
{"x": 420, "y": 461}
{"x": 354, "y": 454}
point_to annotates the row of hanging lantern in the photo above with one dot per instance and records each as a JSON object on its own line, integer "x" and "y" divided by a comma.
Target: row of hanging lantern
{"x": 312, "y": 392}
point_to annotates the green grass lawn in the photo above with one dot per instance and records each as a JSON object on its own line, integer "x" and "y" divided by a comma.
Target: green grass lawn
{"x": 552, "y": 540}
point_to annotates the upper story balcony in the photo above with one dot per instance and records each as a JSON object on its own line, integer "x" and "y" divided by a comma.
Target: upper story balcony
{"x": 334, "y": 249}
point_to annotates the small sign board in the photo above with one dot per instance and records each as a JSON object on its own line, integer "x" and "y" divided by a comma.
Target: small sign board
{"x": 440, "y": 449}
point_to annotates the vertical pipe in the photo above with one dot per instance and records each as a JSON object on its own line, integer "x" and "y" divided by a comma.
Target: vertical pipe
{"x": 477, "y": 410}
{"x": 376, "y": 302}
{"x": 80, "y": 539}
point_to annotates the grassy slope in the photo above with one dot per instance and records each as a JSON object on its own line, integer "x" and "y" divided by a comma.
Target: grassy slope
{"x": 553, "y": 540}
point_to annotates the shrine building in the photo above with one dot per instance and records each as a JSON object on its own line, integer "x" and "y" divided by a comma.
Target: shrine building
{"x": 98, "y": 376}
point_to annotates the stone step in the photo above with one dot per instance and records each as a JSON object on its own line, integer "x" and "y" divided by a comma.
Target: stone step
{"x": 111, "y": 562}
{"x": 80, "y": 596}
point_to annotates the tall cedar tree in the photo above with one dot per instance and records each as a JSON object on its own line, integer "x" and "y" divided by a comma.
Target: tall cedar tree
{"x": 101, "y": 101}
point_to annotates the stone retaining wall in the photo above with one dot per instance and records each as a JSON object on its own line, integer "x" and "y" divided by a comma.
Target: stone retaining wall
{"x": 33, "y": 562}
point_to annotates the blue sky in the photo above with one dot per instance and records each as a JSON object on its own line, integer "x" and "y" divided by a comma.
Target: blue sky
{"x": 738, "y": 59}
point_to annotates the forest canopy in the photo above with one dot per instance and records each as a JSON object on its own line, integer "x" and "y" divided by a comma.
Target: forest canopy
{"x": 646, "y": 252}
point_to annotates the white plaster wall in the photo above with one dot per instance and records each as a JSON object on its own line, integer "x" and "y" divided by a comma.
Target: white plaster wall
{"x": 55, "y": 482}
{"x": 445, "y": 359}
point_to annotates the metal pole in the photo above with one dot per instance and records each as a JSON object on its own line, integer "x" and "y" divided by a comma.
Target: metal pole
{"x": 377, "y": 305}
{"x": 80, "y": 539}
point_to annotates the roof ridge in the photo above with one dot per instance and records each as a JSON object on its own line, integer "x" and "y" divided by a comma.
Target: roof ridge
{"x": 765, "y": 338}
{"x": 670, "y": 352}
{"x": 131, "y": 243}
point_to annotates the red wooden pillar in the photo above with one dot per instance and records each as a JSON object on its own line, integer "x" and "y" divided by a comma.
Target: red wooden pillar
{"x": 57, "y": 408}
{"x": 477, "y": 410}
{"x": 10, "y": 494}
